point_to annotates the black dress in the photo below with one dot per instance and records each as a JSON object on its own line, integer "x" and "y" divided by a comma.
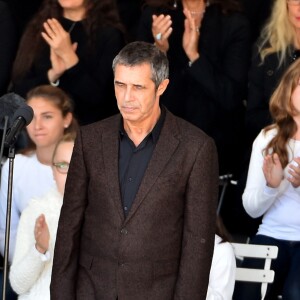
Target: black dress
{"x": 90, "y": 81}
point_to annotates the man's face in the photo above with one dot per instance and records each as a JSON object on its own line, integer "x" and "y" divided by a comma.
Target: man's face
{"x": 137, "y": 97}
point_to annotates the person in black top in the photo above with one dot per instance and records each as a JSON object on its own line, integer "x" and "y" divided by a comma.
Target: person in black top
{"x": 208, "y": 46}
{"x": 72, "y": 45}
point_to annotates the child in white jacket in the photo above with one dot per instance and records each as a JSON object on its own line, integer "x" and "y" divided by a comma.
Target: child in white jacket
{"x": 30, "y": 272}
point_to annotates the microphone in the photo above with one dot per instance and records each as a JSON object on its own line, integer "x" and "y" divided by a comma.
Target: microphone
{"x": 22, "y": 117}
{"x": 9, "y": 103}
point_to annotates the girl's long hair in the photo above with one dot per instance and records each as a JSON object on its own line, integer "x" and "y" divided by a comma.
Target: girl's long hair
{"x": 99, "y": 13}
{"x": 282, "y": 111}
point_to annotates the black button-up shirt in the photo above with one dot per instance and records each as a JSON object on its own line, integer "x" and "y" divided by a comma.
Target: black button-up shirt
{"x": 133, "y": 161}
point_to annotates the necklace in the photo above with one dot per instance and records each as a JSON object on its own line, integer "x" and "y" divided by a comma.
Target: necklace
{"x": 294, "y": 55}
{"x": 72, "y": 27}
{"x": 195, "y": 13}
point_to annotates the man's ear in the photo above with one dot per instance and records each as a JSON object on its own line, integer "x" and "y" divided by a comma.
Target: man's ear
{"x": 162, "y": 87}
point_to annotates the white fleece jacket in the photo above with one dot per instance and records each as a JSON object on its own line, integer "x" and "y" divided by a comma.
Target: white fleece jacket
{"x": 30, "y": 272}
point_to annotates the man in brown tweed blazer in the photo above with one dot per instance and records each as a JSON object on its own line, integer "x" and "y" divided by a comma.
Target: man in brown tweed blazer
{"x": 138, "y": 218}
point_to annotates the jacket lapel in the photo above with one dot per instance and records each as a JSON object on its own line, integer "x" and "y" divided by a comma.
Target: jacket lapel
{"x": 162, "y": 153}
{"x": 110, "y": 142}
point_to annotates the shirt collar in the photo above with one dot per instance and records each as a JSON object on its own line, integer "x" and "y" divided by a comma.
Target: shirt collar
{"x": 156, "y": 129}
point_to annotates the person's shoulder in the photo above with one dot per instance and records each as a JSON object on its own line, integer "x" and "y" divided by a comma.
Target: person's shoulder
{"x": 187, "y": 131}
{"x": 49, "y": 200}
{"x": 109, "y": 32}
{"x": 264, "y": 137}
{"x": 24, "y": 160}
{"x": 225, "y": 249}
{"x": 267, "y": 134}
{"x": 101, "y": 126}
{"x": 21, "y": 162}
{"x": 235, "y": 20}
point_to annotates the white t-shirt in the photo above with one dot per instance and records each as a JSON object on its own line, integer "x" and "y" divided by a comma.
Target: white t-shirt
{"x": 280, "y": 206}
{"x": 30, "y": 179}
{"x": 222, "y": 272}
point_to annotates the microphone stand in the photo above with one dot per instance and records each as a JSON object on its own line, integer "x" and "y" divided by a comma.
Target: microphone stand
{"x": 3, "y": 139}
{"x": 11, "y": 157}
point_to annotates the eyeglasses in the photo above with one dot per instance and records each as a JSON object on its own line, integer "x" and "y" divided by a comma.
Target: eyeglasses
{"x": 62, "y": 167}
{"x": 293, "y": 2}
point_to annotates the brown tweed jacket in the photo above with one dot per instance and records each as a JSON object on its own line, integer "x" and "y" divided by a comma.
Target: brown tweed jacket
{"x": 163, "y": 249}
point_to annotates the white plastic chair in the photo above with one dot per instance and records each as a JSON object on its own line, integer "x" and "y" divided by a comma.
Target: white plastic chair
{"x": 265, "y": 275}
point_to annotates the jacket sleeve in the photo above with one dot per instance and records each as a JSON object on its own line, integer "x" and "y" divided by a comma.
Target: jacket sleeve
{"x": 257, "y": 113}
{"x": 258, "y": 197}
{"x": 225, "y": 82}
{"x": 27, "y": 264}
{"x": 199, "y": 225}
{"x": 66, "y": 253}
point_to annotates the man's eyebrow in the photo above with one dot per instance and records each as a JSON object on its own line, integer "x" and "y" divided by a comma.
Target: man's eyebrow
{"x": 119, "y": 82}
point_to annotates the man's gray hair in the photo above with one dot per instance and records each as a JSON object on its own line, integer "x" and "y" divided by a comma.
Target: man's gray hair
{"x": 138, "y": 53}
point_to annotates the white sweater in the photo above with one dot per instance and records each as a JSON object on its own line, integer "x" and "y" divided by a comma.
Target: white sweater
{"x": 280, "y": 206}
{"x": 31, "y": 179}
{"x": 30, "y": 272}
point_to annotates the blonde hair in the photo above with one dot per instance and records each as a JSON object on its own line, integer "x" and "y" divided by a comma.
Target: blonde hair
{"x": 278, "y": 33}
{"x": 282, "y": 111}
{"x": 67, "y": 138}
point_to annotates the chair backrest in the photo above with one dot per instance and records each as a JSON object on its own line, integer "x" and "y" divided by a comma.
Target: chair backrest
{"x": 265, "y": 275}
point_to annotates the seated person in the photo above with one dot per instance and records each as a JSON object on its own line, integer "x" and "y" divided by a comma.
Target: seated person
{"x": 223, "y": 267}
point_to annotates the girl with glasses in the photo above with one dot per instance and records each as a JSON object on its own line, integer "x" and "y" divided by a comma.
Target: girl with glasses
{"x": 30, "y": 272}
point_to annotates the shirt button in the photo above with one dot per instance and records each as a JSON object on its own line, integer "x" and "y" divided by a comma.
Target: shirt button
{"x": 124, "y": 231}
{"x": 130, "y": 179}
{"x": 125, "y": 208}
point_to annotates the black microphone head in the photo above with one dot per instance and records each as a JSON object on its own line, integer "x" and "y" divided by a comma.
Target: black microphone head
{"x": 26, "y": 112}
{"x": 9, "y": 103}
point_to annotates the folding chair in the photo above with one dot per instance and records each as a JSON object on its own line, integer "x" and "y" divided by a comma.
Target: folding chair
{"x": 265, "y": 275}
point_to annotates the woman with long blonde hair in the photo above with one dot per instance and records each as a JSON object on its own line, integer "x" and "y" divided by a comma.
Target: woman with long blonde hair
{"x": 277, "y": 47}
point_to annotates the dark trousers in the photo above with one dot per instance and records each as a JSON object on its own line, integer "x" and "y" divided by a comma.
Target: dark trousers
{"x": 10, "y": 294}
{"x": 287, "y": 272}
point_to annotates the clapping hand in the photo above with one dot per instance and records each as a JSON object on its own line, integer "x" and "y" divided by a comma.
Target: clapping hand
{"x": 191, "y": 36}
{"x": 161, "y": 30}
{"x": 294, "y": 171}
{"x": 272, "y": 169}
{"x": 41, "y": 234}
{"x": 62, "y": 52}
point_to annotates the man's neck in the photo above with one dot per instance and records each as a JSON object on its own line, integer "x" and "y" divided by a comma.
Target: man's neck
{"x": 138, "y": 131}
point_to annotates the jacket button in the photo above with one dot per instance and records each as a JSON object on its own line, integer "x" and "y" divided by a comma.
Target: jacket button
{"x": 124, "y": 231}
{"x": 270, "y": 72}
